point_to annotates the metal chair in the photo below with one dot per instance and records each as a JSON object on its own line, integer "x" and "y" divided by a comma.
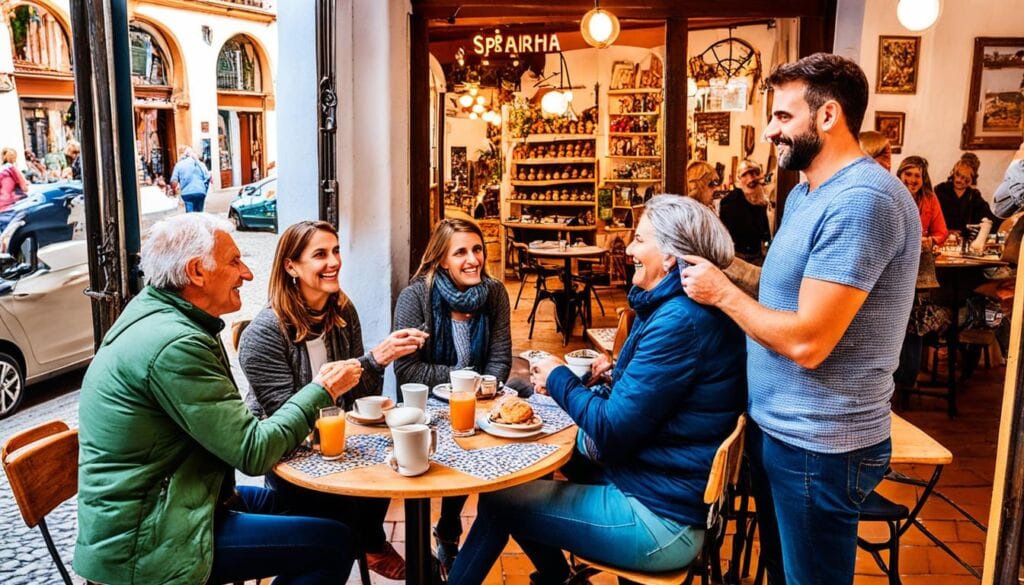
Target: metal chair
{"x": 877, "y": 508}
{"x": 527, "y": 266}
{"x": 41, "y": 464}
{"x": 724, "y": 474}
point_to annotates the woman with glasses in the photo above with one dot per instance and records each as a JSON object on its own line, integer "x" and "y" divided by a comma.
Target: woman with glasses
{"x": 701, "y": 180}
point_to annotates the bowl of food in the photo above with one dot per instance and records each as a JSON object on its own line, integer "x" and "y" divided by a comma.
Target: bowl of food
{"x": 579, "y": 361}
{"x": 514, "y": 414}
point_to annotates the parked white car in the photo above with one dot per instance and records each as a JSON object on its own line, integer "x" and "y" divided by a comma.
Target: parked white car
{"x": 45, "y": 318}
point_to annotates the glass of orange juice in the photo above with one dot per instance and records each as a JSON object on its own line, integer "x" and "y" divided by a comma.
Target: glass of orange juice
{"x": 331, "y": 428}
{"x": 463, "y": 413}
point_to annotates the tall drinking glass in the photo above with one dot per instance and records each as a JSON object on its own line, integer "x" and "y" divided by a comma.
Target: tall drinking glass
{"x": 463, "y": 413}
{"x": 331, "y": 427}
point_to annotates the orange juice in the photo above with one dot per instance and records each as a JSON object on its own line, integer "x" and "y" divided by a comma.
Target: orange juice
{"x": 463, "y": 413}
{"x": 332, "y": 436}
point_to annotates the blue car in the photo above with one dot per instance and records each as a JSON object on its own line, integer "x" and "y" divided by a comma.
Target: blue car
{"x": 50, "y": 214}
{"x": 256, "y": 206}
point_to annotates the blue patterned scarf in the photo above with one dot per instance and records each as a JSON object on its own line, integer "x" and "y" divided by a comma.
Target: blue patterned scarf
{"x": 444, "y": 298}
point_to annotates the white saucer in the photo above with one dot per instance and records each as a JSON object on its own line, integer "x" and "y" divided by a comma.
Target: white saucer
{"x": 534, "y": 354}
{"x": 442, "y": 391}
{"x": 534, "y": 424}
{"x": 352, "y": 416}
{"x": 491, "y": 429}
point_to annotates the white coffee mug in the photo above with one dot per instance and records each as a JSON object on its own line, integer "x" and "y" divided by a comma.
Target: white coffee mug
{"x": 370, "y": 406}
{"x": 414, "y": 444}
{"x": 464, "y": 380}
{"x": 415, "y": 395}
{"x": 403, "y": 415}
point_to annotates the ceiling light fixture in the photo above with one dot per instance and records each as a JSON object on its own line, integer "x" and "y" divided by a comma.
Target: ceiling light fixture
{"x": 599, "y": 27}
{"x": 556, "y": 101}
{"x": 465, "y": 100}
{"x": 918, "y": 15}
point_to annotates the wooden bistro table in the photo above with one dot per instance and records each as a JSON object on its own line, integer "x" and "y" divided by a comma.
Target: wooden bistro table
{"x": 380, "y": 481}
{"x": 567, "y": 255}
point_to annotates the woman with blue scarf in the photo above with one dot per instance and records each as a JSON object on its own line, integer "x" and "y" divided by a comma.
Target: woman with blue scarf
{"x": 649, "y": 436}
{"x": 466, "y": 313}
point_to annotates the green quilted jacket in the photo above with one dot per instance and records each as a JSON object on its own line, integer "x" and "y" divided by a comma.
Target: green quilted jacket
{"x": 162, "y": 426}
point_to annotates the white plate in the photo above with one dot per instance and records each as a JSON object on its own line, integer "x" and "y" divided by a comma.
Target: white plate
{"x": 359, "y": 420}
{"x": 488, "y": 427}
{"x": 534, "y": 354}
{"x": 444, "y": 392}
{"x": 534, "y": 424}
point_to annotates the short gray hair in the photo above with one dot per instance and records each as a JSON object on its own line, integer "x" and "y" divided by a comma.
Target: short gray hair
{"x": 686, "y": 227}
{"x": 173, "y": 242}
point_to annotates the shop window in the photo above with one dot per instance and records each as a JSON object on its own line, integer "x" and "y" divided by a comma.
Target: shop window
{"x": 238, "y": 66}
{"x": 148, "y": 57}
{"x": 38, "y": 40}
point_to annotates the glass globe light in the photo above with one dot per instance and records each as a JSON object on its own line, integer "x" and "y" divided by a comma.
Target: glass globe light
{"x": 554, "y": 103}
{"x": 465, "y": 100}
{"x": 918, "y": 15}
{"x": 568, "y": 96}
{"x": 473, "y": 116}
{"x": 480, "y": 99}
{"x": 599, "y": 27}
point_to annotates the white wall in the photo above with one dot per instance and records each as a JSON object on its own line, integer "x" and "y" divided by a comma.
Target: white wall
{"x": 11, "y": 130}
{"x": 937, "y": 112}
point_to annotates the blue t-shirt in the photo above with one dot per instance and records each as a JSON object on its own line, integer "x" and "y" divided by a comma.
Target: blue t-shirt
{"x": 860, "y": 228}
{"x": 191, "y": 176}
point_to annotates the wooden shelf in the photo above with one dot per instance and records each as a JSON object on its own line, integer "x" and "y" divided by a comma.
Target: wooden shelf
{"x": 618, "y": 229}
{"x": 553, "y": 161}
{"x": 628, "y": 91}
{"x": 557, "y": 137}
{"x": 613, "y": 134}
{"x": 549, "y": 226}
{"x": 622, "y": 207}
{"x": 550, "y": 183}
{"x": 552, "y": 203}
{"x": 637, "y": 114}
{"x": 634, "y": 157}
{"x": 627, "y": 181}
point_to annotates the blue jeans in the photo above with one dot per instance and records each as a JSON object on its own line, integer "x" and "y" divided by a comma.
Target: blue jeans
{"x": 808, "y": 507}
{"x": 260, "y": 543}
{"x": 598, "y": 522}
{"x": 194, "y": 202}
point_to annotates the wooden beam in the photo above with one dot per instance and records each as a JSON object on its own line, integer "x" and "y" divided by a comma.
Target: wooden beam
{"x": 674, "y": 153}
{"x": 419, "y": 140}
{"x": 447, "y": 10}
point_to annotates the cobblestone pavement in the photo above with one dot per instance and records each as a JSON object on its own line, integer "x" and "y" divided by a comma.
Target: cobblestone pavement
{"x": 23, "y": 556}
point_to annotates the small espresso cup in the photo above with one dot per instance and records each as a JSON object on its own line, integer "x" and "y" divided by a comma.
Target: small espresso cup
{"x": 370, "y": 406}
{"x": 464, "y": 380}
{"x": 415, "y": 395}
{"x": 414, "y": 444}
{"x": 488, "y": 386}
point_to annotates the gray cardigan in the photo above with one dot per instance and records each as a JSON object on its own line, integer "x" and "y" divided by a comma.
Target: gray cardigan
{"x": 277, "y": 368}
{"x": 413, "y": 310}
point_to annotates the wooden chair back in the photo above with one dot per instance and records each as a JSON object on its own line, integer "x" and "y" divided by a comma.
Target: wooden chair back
{"x": 237, "y": 327}
{"x": 41, "y": 464}
{"x": 626, "y": 317}
{"x": 725, "y": 469}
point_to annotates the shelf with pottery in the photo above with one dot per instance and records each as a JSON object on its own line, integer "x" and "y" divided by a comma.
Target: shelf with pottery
{"x": 552, "y": 203}
{"x": 613, "y": 134}
{"x": 634, "y": 90}
{"x": 628, "y": 181}
{"x": 552, "y": 182}
{"x": 555, "y": 161}
{"x": 633, "y": 157}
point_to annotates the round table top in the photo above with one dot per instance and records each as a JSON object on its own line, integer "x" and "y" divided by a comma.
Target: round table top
{"x": 380, "y": 481}
{"x": 966, "y": 262}
{"x": 569, "y": 252}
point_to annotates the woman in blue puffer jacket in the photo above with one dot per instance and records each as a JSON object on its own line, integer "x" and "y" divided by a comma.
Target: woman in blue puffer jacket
{"x": 674, "y": 396}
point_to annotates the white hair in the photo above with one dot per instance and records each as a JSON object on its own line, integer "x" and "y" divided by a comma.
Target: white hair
{"x": 173, "y": 242}
{"x": 686, "y": 227}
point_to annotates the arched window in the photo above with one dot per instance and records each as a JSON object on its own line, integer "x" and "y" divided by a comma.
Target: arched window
{"x": 38, "y": 40}
{"x": 238, "y": 66}
{"x": 150, "y": 65}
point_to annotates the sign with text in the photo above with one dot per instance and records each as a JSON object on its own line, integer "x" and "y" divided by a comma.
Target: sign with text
{"x": 515, "y": 44}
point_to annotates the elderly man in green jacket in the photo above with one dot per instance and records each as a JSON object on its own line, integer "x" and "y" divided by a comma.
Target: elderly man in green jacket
{"x": 163, "y": 428}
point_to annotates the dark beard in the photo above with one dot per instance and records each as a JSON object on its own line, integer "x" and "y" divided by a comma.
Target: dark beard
{"x": 802, "y": 150}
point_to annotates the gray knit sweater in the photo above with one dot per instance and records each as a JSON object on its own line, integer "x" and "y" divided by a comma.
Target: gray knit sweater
{"x": 413, "y": 310}
{"x": 277, "y": 368}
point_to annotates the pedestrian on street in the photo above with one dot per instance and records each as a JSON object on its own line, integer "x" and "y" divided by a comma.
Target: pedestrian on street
{"x": 824, "y": 336}
{"x": 163, "y": 428}
{"x": 192, "y": 180}
{"x": 13, "y": 185}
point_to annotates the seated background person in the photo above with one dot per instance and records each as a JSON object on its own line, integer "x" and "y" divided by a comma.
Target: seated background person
{"x": 701, "y": 180}
{"x": 163, "y": 428}
{"x": 744, "y": 211}
{"x": 878, "y": 147}
{"x": 1009, "y": 196}
{"x": 466, "y": 313}
{"x": 311, "y": 321}
{"x": 676, "y": 392}
{"x": 961, "y": 202}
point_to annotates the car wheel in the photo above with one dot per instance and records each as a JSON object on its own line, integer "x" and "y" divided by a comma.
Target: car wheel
{"x": 234, "y": 218}
{"x": 12, "y": 385}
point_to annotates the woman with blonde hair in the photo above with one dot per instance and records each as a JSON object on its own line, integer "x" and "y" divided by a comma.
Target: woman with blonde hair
{"x": 877, "y": 146}
{"x": 701, "y": 179}
{"x": 311, "y": 321}
{"x": 13, "y": 185}
{"x": 913, "y": 171}
{"x": 466, "y": 313}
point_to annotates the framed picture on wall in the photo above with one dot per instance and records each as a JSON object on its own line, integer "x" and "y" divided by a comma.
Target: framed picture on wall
{"x": 623, "y": 75}
{"x": 898, "y": 59}
{"x": 891, "y": 125}
{"x": 995, "y": 109}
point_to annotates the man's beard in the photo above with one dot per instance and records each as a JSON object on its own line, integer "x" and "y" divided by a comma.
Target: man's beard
{"x": 802, "y": 150}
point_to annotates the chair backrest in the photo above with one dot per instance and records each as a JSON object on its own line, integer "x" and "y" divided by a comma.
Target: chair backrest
{"x": 725, "y": 469}
{"x": 41, "y": 464}
{"x": 626, "y": 317}
{"x": 237, "y": 327}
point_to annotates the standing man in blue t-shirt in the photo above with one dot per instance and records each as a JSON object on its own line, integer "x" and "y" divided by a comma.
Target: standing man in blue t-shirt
{"x": 192, "y": 179}
{"x": 824, "y": 336}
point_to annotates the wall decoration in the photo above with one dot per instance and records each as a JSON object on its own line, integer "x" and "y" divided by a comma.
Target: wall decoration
{"x": 715, "y": 125}
{"x": 623, "y": 75}
{"x": 897, "y": 64}
{"x": 995, "y": 110}
{"x": 891, "y": 125}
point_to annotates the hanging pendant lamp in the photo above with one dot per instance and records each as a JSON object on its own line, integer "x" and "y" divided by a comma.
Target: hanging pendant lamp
{"x": 599, "y": 27}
